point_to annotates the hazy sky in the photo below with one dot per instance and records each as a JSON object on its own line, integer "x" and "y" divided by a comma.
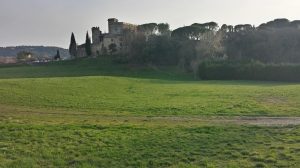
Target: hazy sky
{"x": 50, "y": 22}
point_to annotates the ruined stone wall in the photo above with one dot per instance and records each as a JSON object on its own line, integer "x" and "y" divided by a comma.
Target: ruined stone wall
{"x": 97, "y": 49}
{"x": 113, "y": 39}
{"x": 116, "y": 28}
{"x": 81, "y": 52}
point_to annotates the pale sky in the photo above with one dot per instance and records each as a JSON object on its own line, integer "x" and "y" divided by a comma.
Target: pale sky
{"x": 50, "y": 22}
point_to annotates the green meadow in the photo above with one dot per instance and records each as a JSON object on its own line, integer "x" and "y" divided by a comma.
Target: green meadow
{"x": 96, "y": 113}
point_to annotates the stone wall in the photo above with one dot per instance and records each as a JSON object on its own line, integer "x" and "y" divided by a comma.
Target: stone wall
{"x": 116, "y": 28}
{"x": 81, "y": 51}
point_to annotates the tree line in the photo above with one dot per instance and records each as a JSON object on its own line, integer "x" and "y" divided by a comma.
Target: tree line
{"x": 274, "y": 42}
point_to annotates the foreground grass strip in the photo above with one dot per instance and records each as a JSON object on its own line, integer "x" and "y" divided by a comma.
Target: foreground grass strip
{"x": 128, "y": 145}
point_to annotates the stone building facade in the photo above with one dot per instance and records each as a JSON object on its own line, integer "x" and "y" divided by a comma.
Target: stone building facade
{"x": 101, "y": 42}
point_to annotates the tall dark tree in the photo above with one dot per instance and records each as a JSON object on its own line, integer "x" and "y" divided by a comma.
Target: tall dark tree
{"x": 57, "y": 56}
{"x": 73, "y": 47}
{"x": 88, "y": 45}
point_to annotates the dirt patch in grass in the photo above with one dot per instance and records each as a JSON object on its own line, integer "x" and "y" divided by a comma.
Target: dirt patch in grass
{"x": 259, "y": 121}
{"x": 274, "y": 100}
{"x": 269, "y": 121}
{"x": 10, "y": 114}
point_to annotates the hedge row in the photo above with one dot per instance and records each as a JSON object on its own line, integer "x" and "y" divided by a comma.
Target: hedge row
{"x": 249, "y": 71}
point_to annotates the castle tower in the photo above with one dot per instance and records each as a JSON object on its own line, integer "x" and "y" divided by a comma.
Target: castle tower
{"x": 96, "y": 35}
{"x": 113, "y": 26}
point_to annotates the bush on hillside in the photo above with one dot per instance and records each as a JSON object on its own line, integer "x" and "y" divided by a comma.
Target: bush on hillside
{"x": 224, "y": 70}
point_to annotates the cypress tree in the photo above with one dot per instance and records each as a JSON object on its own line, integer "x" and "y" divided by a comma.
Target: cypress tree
{"x": 57, "y": 56}
{"x": 88, "y": 45}
{"x": 73, "y": 47}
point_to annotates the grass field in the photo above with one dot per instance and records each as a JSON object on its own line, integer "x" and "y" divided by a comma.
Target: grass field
{"x": 93, "y": 113}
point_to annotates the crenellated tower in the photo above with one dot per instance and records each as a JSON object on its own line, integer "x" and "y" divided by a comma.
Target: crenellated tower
{"x": 96, "y": 35}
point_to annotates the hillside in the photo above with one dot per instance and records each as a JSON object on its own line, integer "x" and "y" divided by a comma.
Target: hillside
{"x": 104, "y": 66}
{"x": 96, "y": 113}
{"x": 42, "y": 51}
{"x": 141, "y": 90}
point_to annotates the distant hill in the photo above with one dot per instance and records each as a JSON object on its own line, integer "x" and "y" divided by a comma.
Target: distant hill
{"x": 41, "y": 51}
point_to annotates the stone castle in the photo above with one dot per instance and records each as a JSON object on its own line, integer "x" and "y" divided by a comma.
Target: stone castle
{"x": 102, "y": 42}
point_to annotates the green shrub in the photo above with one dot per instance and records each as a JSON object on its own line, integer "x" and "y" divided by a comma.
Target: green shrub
{"x": 225, "y": 70}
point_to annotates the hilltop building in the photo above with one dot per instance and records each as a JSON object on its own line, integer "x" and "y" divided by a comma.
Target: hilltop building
{"x": 8, "y": 60}
{"x": 103, "y": 42}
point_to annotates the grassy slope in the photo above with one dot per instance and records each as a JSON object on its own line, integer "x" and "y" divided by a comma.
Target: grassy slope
{"x": 53, "y": 116}
{"x": 91, "y": 67}
{"x": 140, "y": 91}
{"x": 128, "y": 96}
